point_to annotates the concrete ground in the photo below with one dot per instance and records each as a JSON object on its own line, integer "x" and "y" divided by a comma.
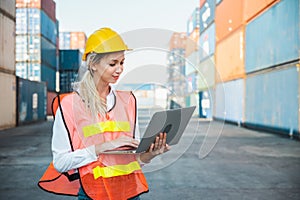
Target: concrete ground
{"x": 212, "y": 161}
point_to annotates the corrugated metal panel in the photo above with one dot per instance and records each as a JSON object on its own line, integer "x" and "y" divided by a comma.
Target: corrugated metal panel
{"x": 230, "y": 57}
{"x": 64, "y": 40}
{"x": 7, "y": 40}
{"x": 69, "y": 60}
{"x": 31, "y": 101}
{"x": 48, "y": 75}
{"x": 229, "y": 17}
{"x": 48, "y": 53}
{"x": 49, "y": 7}
{"x": 28, "y": 48}
{"x": 207, "y": 42}
{"x": 252, "y": 8}
{"x": 7, "y": 100}
{"x": 28, "y": 20}
{"x": 207, "y": 14}
{"x": 232, "y": 102}
{"x": 272, "y": 99}
{"x": 48, "y": 28}
{"x": 206, "y": 73}
{"x": 66, "y": 78}
{"x": 193, "y": 21}
{"x": 9, "y": 7}
{"x": 273, "y": 37}
{"x": 50, "y": 97}
{"x": 29, "y": 70}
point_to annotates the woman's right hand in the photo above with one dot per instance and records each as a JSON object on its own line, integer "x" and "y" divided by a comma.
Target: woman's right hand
{"x": 119, "y": 142}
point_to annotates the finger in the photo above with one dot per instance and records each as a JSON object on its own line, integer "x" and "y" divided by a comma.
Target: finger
{"x": 151, "y": 148}
{"x": 156, "y": 143}
{"x": 164, "y": 139}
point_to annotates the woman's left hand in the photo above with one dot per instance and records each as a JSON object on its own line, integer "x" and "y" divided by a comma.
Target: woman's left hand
{"x": 159, "y": 146}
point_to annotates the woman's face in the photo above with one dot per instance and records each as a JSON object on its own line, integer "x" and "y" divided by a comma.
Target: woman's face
{"x": 109, "y": 68}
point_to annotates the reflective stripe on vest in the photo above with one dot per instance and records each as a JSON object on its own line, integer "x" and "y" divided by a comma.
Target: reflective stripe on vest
{"x": 106, "y": 126}
{"x": 116, "y": 170}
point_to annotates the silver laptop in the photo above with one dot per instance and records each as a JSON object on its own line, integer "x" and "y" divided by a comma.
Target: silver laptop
{"x": 173, "y": 122}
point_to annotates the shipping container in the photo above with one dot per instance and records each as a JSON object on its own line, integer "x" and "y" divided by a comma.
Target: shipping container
{"x": 48, "y": 53}
{"x": 29, "y": 70}
{"x": 193, "y": 21}
{"x": 8, "y": 100}
{"x": 191, "y": 63}
{"x": 48, "y": 27}
{"x": 31, "y": 101}
{"x": 8, "y": 6}
{"x": 192, "y": 43}
{"x": 191, "y": 82}
{"x": 202, "y": 3}
{"x": 230, "y": 57}
{"x": 48, "y": 75}
{"x": 69, "y": 59}
{"x": 47, "y": 5}
{"x": 28, "y": 48}
{"x": 75, "y": 40}
{"x": 206, "y": 73}
{"x": 7, "y": 41}
{"x": 50, "y": 97}
{"x": 207, "y": 42}
{"x": 273, "y": 37}
{"x": 272, "y": 100}
{"x": 252, "y": 8}
{"x": 207, "y": 14}
{"x": 66, "y": 78}
{"x": 228, "y": 18}
{"x": 205, "y": 104}
{"x": 230, "y": 101}
{"x": 178, "y": 41}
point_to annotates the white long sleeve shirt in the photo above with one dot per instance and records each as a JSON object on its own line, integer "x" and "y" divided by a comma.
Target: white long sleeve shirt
{"x": 64, "y": 159}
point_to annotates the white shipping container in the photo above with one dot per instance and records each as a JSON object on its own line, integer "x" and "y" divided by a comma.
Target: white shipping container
{"x": 7, "y": 41}
{"x": 9, "y": 6}
{"x": 7, "y": 100}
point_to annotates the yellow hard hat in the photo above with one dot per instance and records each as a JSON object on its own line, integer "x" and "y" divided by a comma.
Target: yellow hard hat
{"x": 104, "y": 40}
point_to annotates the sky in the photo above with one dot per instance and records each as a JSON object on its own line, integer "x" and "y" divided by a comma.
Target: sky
{"x": 145, "y": 25}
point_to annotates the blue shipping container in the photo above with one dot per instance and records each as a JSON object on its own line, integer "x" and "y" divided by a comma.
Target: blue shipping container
{"x": 273, "y": 37}
{"x": 193, "y": 21}
{"x": 69, "y": 60}
{"x": 31, "y": 101}
{"x": 48, "y": 27}
{"x": 230, "y": 101}
{"x": 48, "y": 53}
{"x": 48, "y": 75}
{"x": 207, "y": 42}
{"x": 272, "y": 99}
{"x": 207, "y": 14}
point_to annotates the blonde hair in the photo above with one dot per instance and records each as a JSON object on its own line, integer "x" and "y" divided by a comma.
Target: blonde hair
{"x": 87, "y": 90}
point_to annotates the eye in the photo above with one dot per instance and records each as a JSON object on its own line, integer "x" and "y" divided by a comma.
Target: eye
{"x": 112, "y": 64}
{"x": 121, "y": 63}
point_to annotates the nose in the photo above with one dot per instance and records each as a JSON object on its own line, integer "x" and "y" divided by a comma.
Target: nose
{"x": 119, "y": 69}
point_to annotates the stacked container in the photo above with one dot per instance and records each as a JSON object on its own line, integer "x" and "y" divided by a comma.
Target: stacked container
{"x": 69, "y": 63}
{"x": 192, "y": 59}
{"x": 257, "y": 59}
{"x": 72, "y": 40}
{"x": 36, "y": 41}
{"x": 272, "y": 67}
{"x": 7, "y": 64}
{"x": 176, "y": 69}
{"x": 206, "y": 69}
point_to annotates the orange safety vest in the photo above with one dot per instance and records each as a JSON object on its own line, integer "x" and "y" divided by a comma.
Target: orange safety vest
{"x": 111, "y": 176}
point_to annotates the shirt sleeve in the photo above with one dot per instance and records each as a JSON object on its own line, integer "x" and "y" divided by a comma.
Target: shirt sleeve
{"x": 64, "y": 159}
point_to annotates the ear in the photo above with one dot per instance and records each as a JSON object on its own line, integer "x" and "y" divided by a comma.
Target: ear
{"x": 94, "y": 68}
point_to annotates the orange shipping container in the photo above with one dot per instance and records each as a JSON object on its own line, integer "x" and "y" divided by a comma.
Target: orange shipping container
{"x": 228, "y": 18}
{"x": 230, "y": 57}
{"x": 77, "y": 40}
{"x": 254, "y": 7}
{"x": 192, "y": 42}
{"x": 28, "y": 3}
{"x": 178, "y": 41}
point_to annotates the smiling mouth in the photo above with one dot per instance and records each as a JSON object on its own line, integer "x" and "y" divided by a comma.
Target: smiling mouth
{"x": 115, "y": 77}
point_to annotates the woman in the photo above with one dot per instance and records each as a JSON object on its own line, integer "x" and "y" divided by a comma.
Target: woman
{"x": 93, "y": 121}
